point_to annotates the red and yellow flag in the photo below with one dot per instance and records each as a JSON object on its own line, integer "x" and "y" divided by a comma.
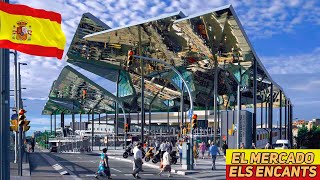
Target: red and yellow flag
{"x": 31, "y": 31}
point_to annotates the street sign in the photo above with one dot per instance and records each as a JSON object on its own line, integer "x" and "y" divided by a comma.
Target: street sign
{"x": 14, "y": 116}
{"x": 190, "y": 114}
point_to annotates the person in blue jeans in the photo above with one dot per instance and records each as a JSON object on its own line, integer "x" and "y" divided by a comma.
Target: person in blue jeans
{"x": 214, "y": 151}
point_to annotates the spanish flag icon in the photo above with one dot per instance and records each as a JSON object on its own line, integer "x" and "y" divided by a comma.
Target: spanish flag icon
{"x": 31, "y": 31}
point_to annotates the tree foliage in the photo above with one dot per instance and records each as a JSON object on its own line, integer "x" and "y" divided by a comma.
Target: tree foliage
{"x": 309, "y": 139}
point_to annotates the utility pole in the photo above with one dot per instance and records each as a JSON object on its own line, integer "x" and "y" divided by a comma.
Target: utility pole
{"x": 4, "y": 112}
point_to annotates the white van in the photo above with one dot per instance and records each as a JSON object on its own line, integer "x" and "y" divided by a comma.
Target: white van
{"x": 282, "y": 144}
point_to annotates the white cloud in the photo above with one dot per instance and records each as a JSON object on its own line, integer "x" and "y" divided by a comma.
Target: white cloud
{"x": 308, "y": 62}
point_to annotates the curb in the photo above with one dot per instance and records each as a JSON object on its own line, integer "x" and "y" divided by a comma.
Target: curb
{"x": 155, "y": 166}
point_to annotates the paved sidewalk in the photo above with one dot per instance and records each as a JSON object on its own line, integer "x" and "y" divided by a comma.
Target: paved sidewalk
{"x": 14, "y": 166}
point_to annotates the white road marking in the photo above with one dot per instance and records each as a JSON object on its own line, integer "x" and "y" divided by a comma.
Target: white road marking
{"x": 76, "y": 161}
{"x": 115, "y": 169}
{"x": 75, "y": 177}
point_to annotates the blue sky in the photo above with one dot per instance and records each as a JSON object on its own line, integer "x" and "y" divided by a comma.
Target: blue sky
{"x": 285, "y": 35}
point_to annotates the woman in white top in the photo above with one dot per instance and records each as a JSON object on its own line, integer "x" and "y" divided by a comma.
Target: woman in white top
{"x": 179, "y": 146}
{"x": 166, "y": 163}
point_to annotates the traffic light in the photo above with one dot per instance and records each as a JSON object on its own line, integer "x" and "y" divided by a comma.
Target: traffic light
{"x": 126, "y": 127}
{"x": 14, "y": 125}
{"x": 25, "y": 126}
{"x": 194, "y": 121}
{"x": 21, "y": 116}
{"x": 130, "y": 58}
{"x": 84, "y": 94}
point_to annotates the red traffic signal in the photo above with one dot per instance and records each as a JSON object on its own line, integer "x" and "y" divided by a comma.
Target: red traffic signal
{"x": 130, "y": 57}
{"x": 84, "y": 94}
{"x": 126, "y": 127}
{"x": 194, "y": 121}
{"x": 22, "y": 111}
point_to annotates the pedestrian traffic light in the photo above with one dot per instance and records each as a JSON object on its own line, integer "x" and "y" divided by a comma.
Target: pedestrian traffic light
{"x": 126, "y": 127}
{"x": 194, "y": 121}
{"x": 130, "y": 58}
{"x": 14, "y": 125}
{"x": 25, "y": 126}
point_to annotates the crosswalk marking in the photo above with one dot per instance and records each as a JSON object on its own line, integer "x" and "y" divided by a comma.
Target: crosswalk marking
{"x": 142, "y": 174}
{"x": 115, "y": 169}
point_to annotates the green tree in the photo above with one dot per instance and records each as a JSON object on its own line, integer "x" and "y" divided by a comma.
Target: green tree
{"x": 302, "y": 136}
{"x": 309, "y": 139}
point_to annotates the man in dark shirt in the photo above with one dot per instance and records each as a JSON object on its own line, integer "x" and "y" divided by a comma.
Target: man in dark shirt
{"x": 224, "y": 148}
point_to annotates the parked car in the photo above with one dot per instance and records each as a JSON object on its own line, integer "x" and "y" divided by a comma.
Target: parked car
{"x": 282, "y": 144}
{"x": 53, "y": 149}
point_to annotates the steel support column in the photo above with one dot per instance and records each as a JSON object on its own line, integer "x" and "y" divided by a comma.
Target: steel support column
{"x": 267, "y": 111}
{"x": 182, "y": 103}
{"x": 286, "y": 118}
{"x": 254, "y": 119}
{"x": 239, "y": 105}
{"x": 80, "y": 119}
{"x": 280, "y": 114}
{"x": 142, "y": 86}
{"x": 238, "y": 114}
{"x": 215, "y": 97}
{"x": 149, "y": 122}
{"x": 62, "y": 121}
{"x": 73, "y": 123}
{"x": 92, "y": 129}
{"x": 99, "y": 130}
{"x": 271, "y": 113}
{"x": 55, "y": 124}
{"x": 168, "y": 123}
{"x": 50, "y": 123}
{"x": 290, "y": 124}
{"x": 261, "y": 111}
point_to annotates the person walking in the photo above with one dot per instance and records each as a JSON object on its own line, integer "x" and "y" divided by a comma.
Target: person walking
{"x": 242, "y": 146}
{"x": 203, "y": 149}
{"x": 103, "y": 169}
{"x": 169, "y": 146}
{"x": 163, "y": 149}
{"x": 214, "y": 151}
{"x": 208, "y": 146}
{"x": 137, "y": 159}
{"x": 224, "y": 148}
{"x": 180, "y": 152}
{"x": 253, "y": 146}
{"x": 32, "y": 143}
{"x": 268, "y": 146}
{"x": 195, "y": 154}
{"x": 166, "y": 163}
